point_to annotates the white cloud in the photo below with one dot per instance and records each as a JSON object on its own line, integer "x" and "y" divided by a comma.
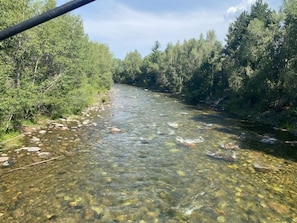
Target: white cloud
{"x": 233, "y": 11}
{"x": 125, "y": 29}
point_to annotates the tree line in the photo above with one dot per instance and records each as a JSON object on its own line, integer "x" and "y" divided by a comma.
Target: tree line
{"x": 52, "y": 69}
{"x": 254, "y": 73}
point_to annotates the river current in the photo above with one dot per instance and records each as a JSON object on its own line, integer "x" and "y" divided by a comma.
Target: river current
{"x": 150, "y": 158}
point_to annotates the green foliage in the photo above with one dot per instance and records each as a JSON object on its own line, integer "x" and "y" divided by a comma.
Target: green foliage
{"x": 129, "y": 70}
{"x": 256, "y": 69}
{"x": 52, "y": 69}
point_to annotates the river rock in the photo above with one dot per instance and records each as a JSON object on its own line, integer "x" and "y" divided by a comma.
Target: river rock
{"x": 35, "y": 139}
{"x": 189, "y": 142}
{"x": 85, "y": 122}
{"x": 263, "y": 169}
{"x": 230, "y": 146}
{"x": 223, "y": 156}
{"x": 58, "y": 125}
{"x": 115, "y": 130}
{"x": 29, "y": 149}
{"x": 269, "y": 140}
{"x": 173, "y": 125}
{"x": 3, "y": 159}
{"x": 5, "y": 164}
{"x": 42, "y": 131}
{"x": 44, "y": 155}
{"x": 89, "y": 215}
{"x": 279, "y": 208}
{"x": 70, "y": 153}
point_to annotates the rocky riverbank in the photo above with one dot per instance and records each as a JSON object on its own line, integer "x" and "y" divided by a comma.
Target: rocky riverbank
{"x": 26, "y": 149}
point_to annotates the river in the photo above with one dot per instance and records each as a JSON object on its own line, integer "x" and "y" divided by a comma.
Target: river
{"x": 149, "y": 158}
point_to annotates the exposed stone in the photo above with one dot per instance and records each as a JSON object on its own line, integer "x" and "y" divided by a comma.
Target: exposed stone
{"x": 115, "y": 130}
{"x": 44, "y": 155}
{"x": 34, "y": 139}
{"x": 263, "y": 169}
{"x": 189, "y": 142}
{"x": 64, "y": 128}
{"x": 173, "y": 125}
{"x": 223, "y": 156}
{"x": 6, "y": 164}
{"x": 230, "y": 146}
{"x": 42, "y": 131}
{"x": 29, "y": 149}
{"x": 85, "y": 122}
{"x": 3, "y": 159}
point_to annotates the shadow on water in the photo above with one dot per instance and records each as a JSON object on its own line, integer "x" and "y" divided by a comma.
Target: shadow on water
{"x": 249, "y": 134}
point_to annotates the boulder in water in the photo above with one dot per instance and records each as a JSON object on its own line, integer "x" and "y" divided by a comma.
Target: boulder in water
{"x": 173, "y": 125}
{"x": 189, "y": 142}
{"x": 262, "y": 168}
{"x": 230, "y": 146}
{"x": 115, "y": 130}
{"x": 223, "y": 156}
{"x": 269, "y": 140}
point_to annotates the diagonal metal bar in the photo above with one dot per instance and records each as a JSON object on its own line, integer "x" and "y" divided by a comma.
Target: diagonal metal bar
{"x": 44, "y": 17}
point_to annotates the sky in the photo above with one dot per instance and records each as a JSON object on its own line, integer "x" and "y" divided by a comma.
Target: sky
{"x": 128, "y": 25}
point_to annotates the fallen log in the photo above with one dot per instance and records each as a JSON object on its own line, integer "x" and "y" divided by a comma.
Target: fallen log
{"x": 32, "y": 164}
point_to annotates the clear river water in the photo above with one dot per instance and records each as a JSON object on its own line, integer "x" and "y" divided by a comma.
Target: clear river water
{"x": 150, "y": 158}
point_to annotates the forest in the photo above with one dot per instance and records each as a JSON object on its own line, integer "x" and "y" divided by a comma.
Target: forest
{"x": 52, "y": 70}
{"x": 254, "y": 74}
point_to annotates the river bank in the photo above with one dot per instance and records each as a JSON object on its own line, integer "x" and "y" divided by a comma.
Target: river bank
{"x": 13, "y": 140}
{"x": 283, "y": 119}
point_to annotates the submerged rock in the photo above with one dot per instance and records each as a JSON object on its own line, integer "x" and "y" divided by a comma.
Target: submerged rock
{"x": 269, "y": 140}
{"x": 223, "y": 156}
{"x": 115, "y": 130}
{"x": 189, "y": 142}
{"x": 230, "y": 146}
{"x": 173, "y": 125}
{"x": 264, "y": 168}
{"x": 279, "y": 208}
{"x": 144, "y": 140}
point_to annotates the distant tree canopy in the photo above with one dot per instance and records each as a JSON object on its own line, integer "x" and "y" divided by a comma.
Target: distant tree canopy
{"x": 256, "y": 69}
{"x": 52, "y": 69}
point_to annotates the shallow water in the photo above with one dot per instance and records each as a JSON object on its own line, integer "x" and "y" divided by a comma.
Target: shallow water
{"x": 146, "y": 173}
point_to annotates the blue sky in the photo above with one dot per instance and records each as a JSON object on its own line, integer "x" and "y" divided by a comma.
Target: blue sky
{"x": 128, "y": 25}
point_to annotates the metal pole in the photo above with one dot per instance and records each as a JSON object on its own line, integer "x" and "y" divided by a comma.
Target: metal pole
{"x": 44, "y": 17}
